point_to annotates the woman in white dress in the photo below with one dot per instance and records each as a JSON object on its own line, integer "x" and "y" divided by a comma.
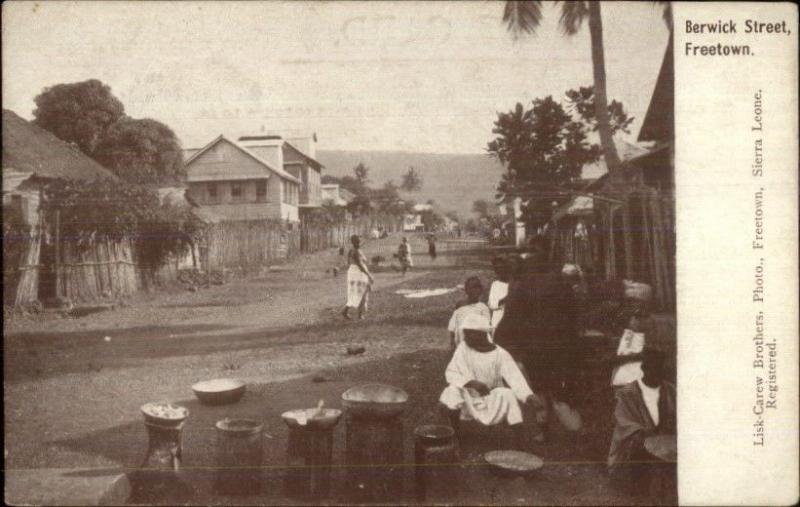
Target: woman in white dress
{"x": 359, "y": 279}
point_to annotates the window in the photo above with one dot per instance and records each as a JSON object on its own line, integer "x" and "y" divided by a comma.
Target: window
{"x": 237, "y": 192}
{"x": 213, "y": 196}
{"x": 261, "y": 190}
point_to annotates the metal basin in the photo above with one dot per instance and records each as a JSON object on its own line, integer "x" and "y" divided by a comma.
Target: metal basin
{"x": 375, "y": 401}
{"x": 312, "y": 418}
{"x": 513, "y": 462}
{"x": 434, "y": 434}
{"x": 221, "y": 391}
{"x": 164, "y": 414}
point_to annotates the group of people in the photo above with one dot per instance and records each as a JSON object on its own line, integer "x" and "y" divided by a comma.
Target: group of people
{"x": 518, "y": 352}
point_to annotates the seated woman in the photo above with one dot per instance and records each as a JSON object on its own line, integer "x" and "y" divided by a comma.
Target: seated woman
{"x": 484, "y": 381}
{"x": 645, "y": 407}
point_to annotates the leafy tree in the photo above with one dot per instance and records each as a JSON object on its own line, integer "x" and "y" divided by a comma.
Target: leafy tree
{"x": 412, "y": 181}
{"x": 525, "y": 17}
{"x": 141, "y": 151}
{"x": 78, "y": 112}
{"x": 132, "y": 211}
{"x": 362, "y": 175}
{"x": 545, "y": 147}
{"x": 481, "y": 208}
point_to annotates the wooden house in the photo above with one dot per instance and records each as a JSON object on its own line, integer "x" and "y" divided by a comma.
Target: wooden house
{"x": 244, "y": 180}
{"x": 39, "y": 265}
{"x": 299, "y": 161}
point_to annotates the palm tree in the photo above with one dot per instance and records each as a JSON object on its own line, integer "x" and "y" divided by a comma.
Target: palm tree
{"x": 525, "y": 16}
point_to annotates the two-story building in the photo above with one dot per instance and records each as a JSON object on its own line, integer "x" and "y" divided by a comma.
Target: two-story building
{"x": 244, "y": 180}
{"x": 299, "y": 160}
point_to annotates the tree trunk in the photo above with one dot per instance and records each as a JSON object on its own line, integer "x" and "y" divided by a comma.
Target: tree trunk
{"x": 600, "y": 97}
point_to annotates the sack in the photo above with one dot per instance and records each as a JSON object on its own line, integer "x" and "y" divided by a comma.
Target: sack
{"x": 567, "y": 416}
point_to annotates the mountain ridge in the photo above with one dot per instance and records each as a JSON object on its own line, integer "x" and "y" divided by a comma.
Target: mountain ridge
{"x": 453, "y": 180}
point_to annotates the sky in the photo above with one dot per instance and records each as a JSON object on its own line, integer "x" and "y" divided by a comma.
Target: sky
{"x": 410, "y": 76}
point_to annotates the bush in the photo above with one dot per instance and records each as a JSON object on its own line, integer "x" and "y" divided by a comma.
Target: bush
{"x": 105, "y": 209}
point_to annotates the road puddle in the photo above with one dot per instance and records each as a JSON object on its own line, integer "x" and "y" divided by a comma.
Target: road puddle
{"x": 425, "y": 293}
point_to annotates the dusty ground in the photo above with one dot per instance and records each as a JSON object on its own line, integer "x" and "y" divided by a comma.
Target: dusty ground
{"x": 72, "y": 397}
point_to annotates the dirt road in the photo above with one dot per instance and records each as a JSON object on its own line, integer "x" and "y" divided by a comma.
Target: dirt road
{"x": 72, "y": 396}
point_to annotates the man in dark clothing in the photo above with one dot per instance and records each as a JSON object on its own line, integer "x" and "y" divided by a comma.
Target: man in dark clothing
{"x": 539, "y": 329}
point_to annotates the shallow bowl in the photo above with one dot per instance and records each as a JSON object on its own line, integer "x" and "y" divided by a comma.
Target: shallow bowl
{"x": 164, "y": 414}
{"x": 375, "y": 400}
{"x": 434, "y": 433}
{"x": 513, "y": 462}
{"x": 221, "y": 391}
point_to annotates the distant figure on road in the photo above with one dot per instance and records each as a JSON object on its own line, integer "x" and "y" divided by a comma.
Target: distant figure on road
{"x": 404, "y": 255}
{"x": 432, "y": 247}
{"x": 359, "y": 280}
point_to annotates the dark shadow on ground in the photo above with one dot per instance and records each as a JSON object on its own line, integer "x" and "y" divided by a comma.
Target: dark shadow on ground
{"x": 44, "y": 355}
{"x": 574, "y": 473}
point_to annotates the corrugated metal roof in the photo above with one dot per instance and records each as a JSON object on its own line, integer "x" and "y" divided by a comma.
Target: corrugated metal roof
{"x": 28, "y": 148}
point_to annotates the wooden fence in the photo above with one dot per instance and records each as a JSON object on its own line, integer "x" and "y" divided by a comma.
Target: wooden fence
{"x": 109, "y": 269}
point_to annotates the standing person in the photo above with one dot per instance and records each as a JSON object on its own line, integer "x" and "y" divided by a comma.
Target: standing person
{"x": 359, "y": 279}
{"x": 404, "y": 254}
{"x": 473, "y": 305}
{"x": 432, "y": 247}
{"x": 539, "y": 330}
{"x": 499, "y": 289}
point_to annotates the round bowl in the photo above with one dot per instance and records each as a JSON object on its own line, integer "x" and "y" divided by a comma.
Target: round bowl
{"x": 221, "y": 391}
{"x": 239, "y": 427}
{"x": 375, "y": 401}
{"x": 434, "y": 434}
{"x": 312, "y": 418}
{"x": 513, "y": 462}
{"x": 164, "y": 414}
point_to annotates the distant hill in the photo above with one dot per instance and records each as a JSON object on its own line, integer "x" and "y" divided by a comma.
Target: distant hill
{"x": 453, "y": 181}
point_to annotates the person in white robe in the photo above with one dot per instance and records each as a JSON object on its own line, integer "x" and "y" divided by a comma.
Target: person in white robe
{"x": 473, "y": 305}
{"x": 499, "y": 289}
{"x": 484, "y": 382}
{"x": 359, "y": 280}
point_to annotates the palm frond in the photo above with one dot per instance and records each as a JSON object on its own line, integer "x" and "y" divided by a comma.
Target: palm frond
{"x": 572, "y": 15}
{"x": 522, "y": 17}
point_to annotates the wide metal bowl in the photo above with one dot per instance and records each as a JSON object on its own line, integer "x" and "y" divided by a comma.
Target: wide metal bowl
{"x": 434, "y": 434}
{"x": 513, "y": 462}
{"x": 164, "y": 414}
{"x": 375, "y": 401}
{"x": 312, "y": 418}
{"x": 221, "y": 391}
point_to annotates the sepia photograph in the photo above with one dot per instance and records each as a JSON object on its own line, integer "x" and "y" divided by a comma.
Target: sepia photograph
{"x": 337, "y": 253}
